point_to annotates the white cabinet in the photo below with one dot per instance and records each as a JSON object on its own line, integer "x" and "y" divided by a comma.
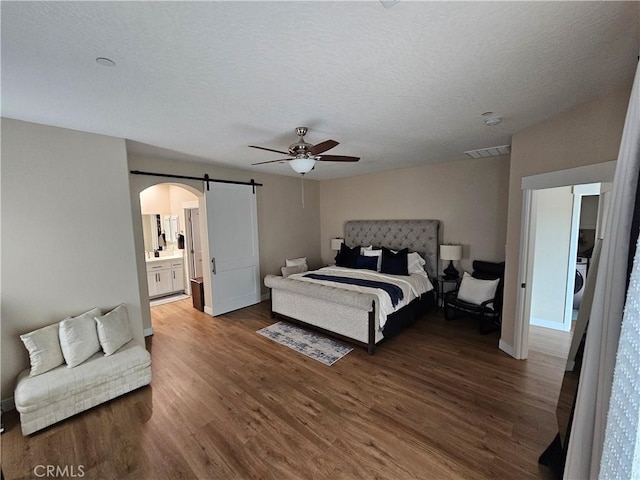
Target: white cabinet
{"x": 154, "y": 286}
{"x": 159, "y": 283}
{"x": 177, "y": 275}
{"x": 165, "y": 276}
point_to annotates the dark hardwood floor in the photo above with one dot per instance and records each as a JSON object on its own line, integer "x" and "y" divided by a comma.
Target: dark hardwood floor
{"x": 438, "y": 402}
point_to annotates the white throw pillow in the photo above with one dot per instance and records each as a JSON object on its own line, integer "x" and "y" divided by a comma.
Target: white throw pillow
{"x": 79, "y": 338}
{"x": 368, "y": 252}
{"x": 113, "y": 329}
{"x": 286, "y": 271}
{"x": 44, "y": 350}
{"x": 294, "y": 262}
{"x": 476, "y": 291}
{"x": 415, "y": 263}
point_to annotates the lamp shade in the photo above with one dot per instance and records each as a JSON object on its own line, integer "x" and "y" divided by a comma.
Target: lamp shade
{"x": 450, "y": 252}
{"x": 302, "y": 164}
{"x": 336, "y": 243}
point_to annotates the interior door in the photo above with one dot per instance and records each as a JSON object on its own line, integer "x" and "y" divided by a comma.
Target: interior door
{"x": 193, "y": 242}
{"x": 232, "y": 227}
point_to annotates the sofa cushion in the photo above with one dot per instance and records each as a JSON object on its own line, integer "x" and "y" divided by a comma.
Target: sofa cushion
{"x": 33, "y": 393}
{"x": 79, "y": 337}
{"x": 113, "y": 329}
{"x": 44, "y": 350}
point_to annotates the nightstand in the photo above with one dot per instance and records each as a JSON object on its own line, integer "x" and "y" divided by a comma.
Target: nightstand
{"x": 450, "y": 283}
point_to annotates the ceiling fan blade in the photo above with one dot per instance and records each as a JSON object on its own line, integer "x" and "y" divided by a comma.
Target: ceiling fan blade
{"x": 269, "y": 149}
{"x": 323, "y": 147}
{"x": 272, "y": 161}
{"x": 337, "y": 158}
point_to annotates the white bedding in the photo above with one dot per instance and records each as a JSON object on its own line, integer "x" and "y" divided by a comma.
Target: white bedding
{"x": 412, "y": 286}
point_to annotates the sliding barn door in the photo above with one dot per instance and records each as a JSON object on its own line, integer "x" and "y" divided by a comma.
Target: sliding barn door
{"x": 232, "y": 224}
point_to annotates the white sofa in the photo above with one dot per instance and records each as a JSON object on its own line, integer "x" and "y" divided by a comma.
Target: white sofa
{"x": 43, "y": 399}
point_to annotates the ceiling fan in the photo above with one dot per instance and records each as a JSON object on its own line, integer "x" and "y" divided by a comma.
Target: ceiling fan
{"x": 305, "y": 155}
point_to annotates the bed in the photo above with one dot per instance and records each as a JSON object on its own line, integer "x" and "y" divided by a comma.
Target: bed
{"x": 354, "y": 313}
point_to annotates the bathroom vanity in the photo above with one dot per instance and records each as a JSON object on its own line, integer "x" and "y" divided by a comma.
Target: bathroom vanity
{"x": 165, "y": 275}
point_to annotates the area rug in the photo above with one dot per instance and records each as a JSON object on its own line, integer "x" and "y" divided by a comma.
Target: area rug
{"x": 308, "y": 343}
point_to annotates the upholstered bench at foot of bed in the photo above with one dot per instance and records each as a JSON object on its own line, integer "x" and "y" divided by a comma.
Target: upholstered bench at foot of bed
{"x": 63, "y": 392}
{"x": 358, "y": 300}
{"x": 343, "y": 313}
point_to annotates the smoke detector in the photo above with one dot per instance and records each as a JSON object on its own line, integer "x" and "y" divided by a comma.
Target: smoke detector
{"x": 491, "y": 119}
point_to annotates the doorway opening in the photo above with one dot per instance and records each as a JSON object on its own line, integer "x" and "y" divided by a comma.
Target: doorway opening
{"x": 550, "y": 242}
{"x": 564, "y": 220}
{"x": 167, "y": 210}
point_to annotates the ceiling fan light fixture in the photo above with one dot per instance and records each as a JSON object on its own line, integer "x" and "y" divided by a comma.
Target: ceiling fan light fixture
{"x": 305, "y": 155}
{"x": 302, "y": 164}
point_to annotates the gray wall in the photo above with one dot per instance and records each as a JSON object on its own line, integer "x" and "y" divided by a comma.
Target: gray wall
{"x": 469, "y": 197}
{"x": 67, "y": 240}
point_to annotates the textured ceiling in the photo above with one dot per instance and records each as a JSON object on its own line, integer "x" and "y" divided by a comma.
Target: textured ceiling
{"x": 398, "y": 86}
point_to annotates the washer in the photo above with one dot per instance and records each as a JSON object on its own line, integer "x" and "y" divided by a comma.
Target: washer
{"x": 581, "y": 278}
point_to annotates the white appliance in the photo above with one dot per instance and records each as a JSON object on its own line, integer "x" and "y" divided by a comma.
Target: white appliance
{"x": 581, "y": 279}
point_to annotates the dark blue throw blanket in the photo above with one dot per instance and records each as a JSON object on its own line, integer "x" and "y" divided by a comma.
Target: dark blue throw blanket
{"x": 394, "y": 291}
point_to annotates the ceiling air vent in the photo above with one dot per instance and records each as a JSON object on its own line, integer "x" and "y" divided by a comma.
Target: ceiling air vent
{"x": 489, "y": 151}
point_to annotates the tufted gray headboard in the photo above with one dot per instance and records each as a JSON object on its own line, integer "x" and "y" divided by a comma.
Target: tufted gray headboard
{"x": 422, "y": 236}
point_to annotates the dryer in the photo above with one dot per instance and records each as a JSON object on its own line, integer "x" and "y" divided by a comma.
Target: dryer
{"x": 581, "y": 279}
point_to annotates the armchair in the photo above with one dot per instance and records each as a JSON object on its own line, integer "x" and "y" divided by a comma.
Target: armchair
{"x": 479, "y": 296}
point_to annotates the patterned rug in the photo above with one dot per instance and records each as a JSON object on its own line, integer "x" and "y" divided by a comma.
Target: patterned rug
{"x": 308, "y": 343}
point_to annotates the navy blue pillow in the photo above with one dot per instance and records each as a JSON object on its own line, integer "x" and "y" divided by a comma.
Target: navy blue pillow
{"x": 347, "y": 257}
{"x": 395, "y": 263}
{"x": 367, "y": 263}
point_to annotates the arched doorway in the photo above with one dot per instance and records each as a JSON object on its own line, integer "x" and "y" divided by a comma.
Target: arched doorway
{"x": 172, "y": 245}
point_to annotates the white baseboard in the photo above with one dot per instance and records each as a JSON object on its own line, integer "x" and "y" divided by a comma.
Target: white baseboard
{"x": 208, "y": 310}
{"x": 506, "y": 348}
{"x": 8, "y": 404}
{"x": 148, "y": 332}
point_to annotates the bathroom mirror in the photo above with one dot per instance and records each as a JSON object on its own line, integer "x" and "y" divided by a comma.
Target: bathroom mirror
{"x": 160, "y": 230}
{"x": 171, "y": 229}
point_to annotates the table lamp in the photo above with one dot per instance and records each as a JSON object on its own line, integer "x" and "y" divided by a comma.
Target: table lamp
{"x": 451, "y": 253}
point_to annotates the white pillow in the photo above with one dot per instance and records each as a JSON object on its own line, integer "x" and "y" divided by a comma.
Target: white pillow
{"x": 476, "y": 291}
{"x": 286, "y": 271}
{"x": 79, "y": 338}
{"x": 43, "y": 346}
{"x": 294, "y": 262}
{"x": 367, "y": 252}
{"x": 415, "y": 263}
{"x": 113, "y": 329}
